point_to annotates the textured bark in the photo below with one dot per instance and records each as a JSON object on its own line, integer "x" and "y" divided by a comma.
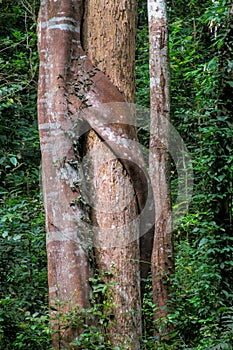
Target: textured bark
{"x": 68, "y": 270}
{"x": 162, "y": 254}
{"x": 109, "y": 40}
{"x": 109, "y": 35}
{"x": 68, "y": 84}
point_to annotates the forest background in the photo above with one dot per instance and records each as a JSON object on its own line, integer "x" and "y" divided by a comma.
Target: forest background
{"x": 201, "y": 91}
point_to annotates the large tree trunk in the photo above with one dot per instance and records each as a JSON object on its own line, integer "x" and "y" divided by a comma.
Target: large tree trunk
{"x": 68, "y": 84}
{"x": 162, "y": 254}
{"x": 68, "y": 269}
{"x": 109, "y": 40}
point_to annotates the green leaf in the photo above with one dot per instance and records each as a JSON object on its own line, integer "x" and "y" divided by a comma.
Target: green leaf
{"x": 4, "y": 234}
{"x": 222, "y": 118}
{"x": 17, "y": 237}
{"x": 13, "y": 161}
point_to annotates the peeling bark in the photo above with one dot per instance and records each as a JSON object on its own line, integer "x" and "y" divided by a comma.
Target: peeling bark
{"x": 162, "y": 254}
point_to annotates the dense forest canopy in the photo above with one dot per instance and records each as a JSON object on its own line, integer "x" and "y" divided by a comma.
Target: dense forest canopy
{"x": 201, "y": 111}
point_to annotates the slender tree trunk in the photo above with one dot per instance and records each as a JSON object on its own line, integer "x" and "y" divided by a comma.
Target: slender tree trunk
{"x": 162, "y": 254}
{"x": 109, "y": 40}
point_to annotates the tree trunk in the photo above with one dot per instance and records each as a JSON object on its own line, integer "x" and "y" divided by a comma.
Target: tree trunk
{"x": 68, "y": 85}
{"x": 162, "y": 254}
{"x": 68, "y": 269}
{"x": 109, "y": 40}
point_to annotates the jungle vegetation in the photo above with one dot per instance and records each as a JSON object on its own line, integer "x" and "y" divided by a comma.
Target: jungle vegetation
{"x": 200, "y": 43}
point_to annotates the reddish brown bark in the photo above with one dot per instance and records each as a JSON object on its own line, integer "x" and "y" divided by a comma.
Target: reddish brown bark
{"x": 68, "y": 269}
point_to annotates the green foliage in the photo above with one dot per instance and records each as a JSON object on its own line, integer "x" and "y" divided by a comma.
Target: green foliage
{"x": 201, "y": 77}
{"x": 91, "y": 323}
{"x": 196, "y": 287}
{"x": 34, "y": 332}
{"x": 201, "y": 90}
{"x": 201, "y": 70}
{"x": 24, "y": 320}
{"x": 142, "y": 58}
{"x": 19, "y": 142}
{"x": 200, "y": 58}
{"x": 199, "y": 311}
{"x": 23, "y": 275}
{"x": 142, "y": 67}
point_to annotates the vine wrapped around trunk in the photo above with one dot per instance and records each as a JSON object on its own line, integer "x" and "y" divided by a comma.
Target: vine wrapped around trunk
{"x": 72, "y": 93}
